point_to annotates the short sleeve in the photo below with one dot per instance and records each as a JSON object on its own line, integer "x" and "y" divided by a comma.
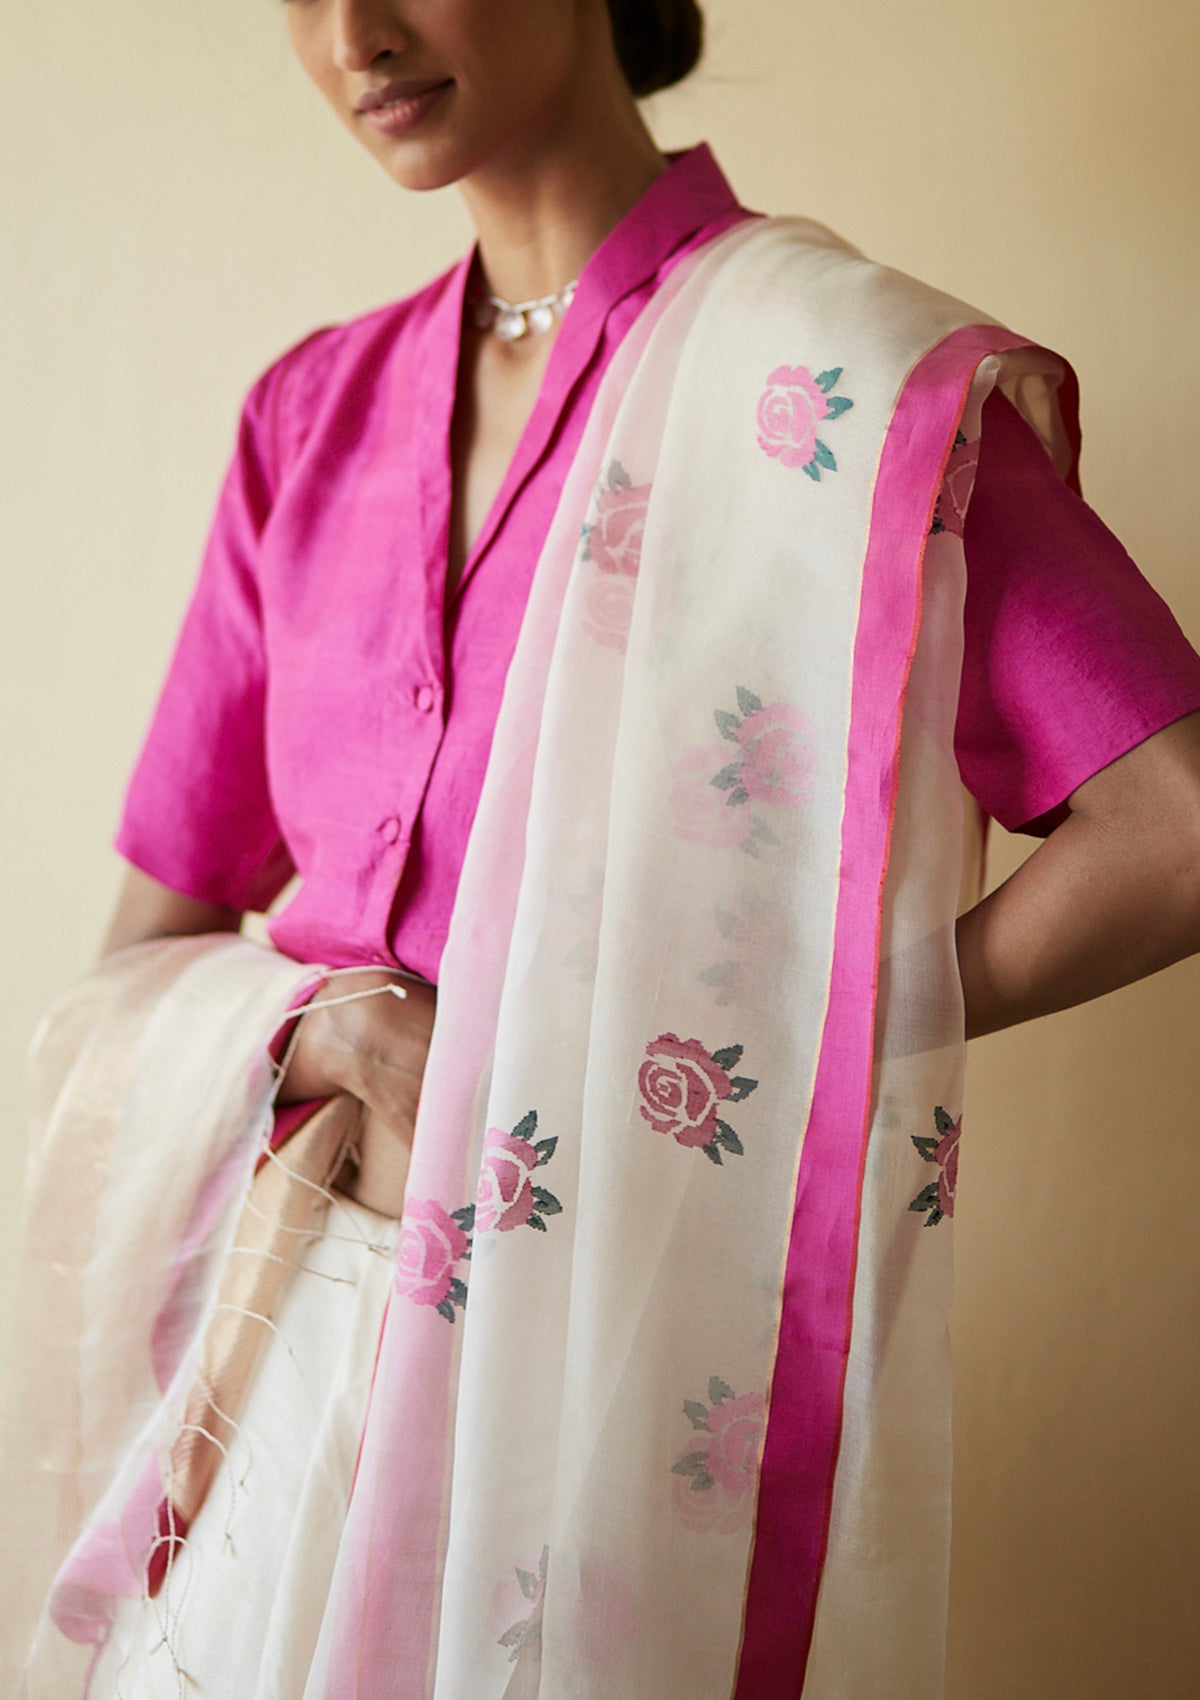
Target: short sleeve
{"x": 198, "y": 814}
{"x": 1070, "y": 656}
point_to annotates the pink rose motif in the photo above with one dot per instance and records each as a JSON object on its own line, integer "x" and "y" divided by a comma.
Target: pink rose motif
{"x": 431, "y": 1243}
{"x": 737, "y": 1429}
{"x": 955, "y": 495}
{"x": 789, "y": 411}
{"x": 614, "y": 540}
{"x": 712, "y": 1510}
{"x": 607, "y": 607}
{"x": 945, "y": 1153}
{"x": 700, "y": 809}
{"x": 779, "y": 762}
{"x": 681, "y": 1088}
{"x": 505, "y": 1196}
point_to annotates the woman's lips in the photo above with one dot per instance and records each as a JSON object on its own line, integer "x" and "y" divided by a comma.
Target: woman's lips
{"x": 397, "y": 107}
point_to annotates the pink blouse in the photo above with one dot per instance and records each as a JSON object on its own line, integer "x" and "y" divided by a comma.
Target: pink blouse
{"x": 325, "y": 714}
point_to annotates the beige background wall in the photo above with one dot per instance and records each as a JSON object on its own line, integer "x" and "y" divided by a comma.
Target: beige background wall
{"x": 176, "y": 209}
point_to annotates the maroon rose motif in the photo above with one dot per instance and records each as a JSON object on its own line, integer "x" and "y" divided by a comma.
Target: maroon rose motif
{"x": 737, "y": 1429}
{"x": 614, "y": 540}
{"x": 681, "y": 1089}
{"x": 955, "y": 495}
{"x": 431, "y": 1243}
{"x": 779, "y": 760}
{"x": 945, "y": 1153}
{"x": 607, "y": 606}
{"x": 789, "y": 411}
{"x": 505, "y": 1196}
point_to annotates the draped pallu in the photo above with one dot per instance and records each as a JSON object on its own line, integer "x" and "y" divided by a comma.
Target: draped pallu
{"x": 661, "y": 1400}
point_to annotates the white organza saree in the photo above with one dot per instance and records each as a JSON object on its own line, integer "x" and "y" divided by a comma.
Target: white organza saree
{"x": 648, "y": 1394}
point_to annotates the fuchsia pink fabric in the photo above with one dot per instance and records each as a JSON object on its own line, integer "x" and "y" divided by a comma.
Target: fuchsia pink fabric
{"x": 325, "y": 715}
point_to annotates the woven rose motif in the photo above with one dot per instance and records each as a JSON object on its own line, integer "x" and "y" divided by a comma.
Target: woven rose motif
{"x": 776, "y": 760}
{"x": 527, "y": 1630}
{"x": 790, "y": 410}
{"x": 612, "y": 543}
{"x": 607, "y": 610}
{"x": 612, "y": 537}
{"x": 508, "y": 1197}
{"x": 950, "y": 509}
{"x": 940, "y": 1148}
{"x": 774, "y": 767}
{"x": 683, "y": 1086}
{"x": 714, "y": 1486}
{"x": 432, "y": 1242}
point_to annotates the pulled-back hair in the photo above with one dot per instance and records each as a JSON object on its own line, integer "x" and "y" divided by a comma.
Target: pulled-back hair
{"x": 658, "y": 41}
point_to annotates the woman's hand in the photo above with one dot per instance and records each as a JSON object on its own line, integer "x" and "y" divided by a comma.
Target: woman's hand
{"x": 373, "y": 1049}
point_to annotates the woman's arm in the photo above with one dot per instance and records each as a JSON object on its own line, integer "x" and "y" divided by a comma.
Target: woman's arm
{"x": 146, "y": 909}
{"x": 1111, "y": 896}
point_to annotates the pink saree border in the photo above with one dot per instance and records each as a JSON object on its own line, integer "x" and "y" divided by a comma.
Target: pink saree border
{"x": 804, "y": 1425}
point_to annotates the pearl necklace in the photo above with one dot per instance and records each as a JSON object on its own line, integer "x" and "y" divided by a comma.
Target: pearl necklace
{"x": 511, "y": 320}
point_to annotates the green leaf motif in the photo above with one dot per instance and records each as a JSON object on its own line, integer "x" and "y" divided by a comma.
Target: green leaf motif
{"x": 465, "y": 1218}
{"x": 725, "y": 1136}
{"x": 719, "y": 1391}
{"x": 727, "y": 724}
{"x": 528, "y": 1581}
{"x": 824, "y": 455}
{"x": 728, "y": 776}
{"x": 457, "y": 1292}
{"x": 760, "y": 830}
{"x": 526, "y": 1127}
{"x": 701, "y": 1482}
{"x": 813, "y": 471}
{"x": 735, "y": 798}
{"x": 826, "y": 380}
{"x": 693, "y": 1464}
{"x": 697, "y": 1415}
{"x": 729, "y": 925}
{"x": 722, "y": 975}
{"x": 513, "y": 1637}
{"x": 546, "y": 1201}
{"x": 943, "y": 1122}
{"x": 839, "y": 404}
{"x": 926, "y": 1144}
{"x": 747, "y": 701}
{"x": 618, "y": 478}
{"x": 535, "y": 1221}
{"x": 711, "y": 1152}
{"x": 446, "y": 1309}
{"x": 742, "y": 1088}
{"x": 545, "y": 1149}
{"x": 728, "y": 1057}
{"x": 927, "y": 1198}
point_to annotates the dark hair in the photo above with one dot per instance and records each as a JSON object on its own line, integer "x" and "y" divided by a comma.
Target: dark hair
{"x": 658, "y": 42}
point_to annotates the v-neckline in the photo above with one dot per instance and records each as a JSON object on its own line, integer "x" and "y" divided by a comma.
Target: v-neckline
{"x": 574, "y": 345}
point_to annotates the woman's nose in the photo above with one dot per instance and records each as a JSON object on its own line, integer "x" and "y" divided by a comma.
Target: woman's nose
{"x": 363, "y": 30}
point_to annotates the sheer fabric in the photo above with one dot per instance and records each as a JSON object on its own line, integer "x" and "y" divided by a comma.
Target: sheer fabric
{"x": 661, "y": 1401}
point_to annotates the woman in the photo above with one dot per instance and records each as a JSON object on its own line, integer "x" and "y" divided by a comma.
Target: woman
{"x": 573, "y": 1486}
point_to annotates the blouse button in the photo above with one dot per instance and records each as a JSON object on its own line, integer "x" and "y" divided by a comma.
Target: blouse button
{"x": 425, "y": 696}
{"x": 390, "y": 829}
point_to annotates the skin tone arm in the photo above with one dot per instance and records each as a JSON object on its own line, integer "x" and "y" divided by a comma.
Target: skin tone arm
{"x": 1112, "y": 895}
